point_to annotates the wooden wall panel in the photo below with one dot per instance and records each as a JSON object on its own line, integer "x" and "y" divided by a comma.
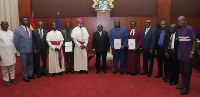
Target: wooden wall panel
{"x": 24, "y": 8}
{"x": 163, "y": 11}
{"x": 192, "y": 21}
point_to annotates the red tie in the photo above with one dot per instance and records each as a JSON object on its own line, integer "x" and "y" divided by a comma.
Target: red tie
{"x": 27, "y": 31}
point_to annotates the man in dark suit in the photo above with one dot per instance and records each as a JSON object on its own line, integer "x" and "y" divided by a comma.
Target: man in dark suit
{"x": 101, "y": 46}
{"x": 67, "y": 38}
{"x": 148, "y": 43}
{"x": 171, "y": 52}
{"x": 23, "y": 44}
{"x": 160, "y": 50}
{"x": 40, "y": 48}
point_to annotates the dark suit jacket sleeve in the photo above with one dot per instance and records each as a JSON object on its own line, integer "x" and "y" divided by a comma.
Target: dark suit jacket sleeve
{"x": 111, "y": 39}
{"x": 93, "y": 41}
{"x": 157, "y": 39}
{"x": 46, "y": 44}
{"x": 107, "y": 41}
{"x": 140, "y": 39}
{"x": 16, "y": 40}
{"x": 34, "y": 40}
{"x": 125, "y": 38}
{"x": 167, "y": 40}
{"x": 153, "y": 39}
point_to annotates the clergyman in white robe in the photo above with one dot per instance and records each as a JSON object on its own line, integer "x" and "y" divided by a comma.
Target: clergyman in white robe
{"x": 80, "y": 55}
{"x": 54, "y": 64}
{"x": 7, "y": 53}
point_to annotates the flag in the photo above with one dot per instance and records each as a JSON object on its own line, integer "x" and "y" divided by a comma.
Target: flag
{"x": 58, "y": 25}
{"x": 32, "y": 24}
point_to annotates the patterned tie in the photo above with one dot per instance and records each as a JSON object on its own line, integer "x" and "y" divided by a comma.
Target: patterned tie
{"x": 27, "y": 30}
{"x": 170, "y": 44}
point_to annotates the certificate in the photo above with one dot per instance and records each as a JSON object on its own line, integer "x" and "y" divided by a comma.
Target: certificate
{"x": 117, "y": 43}
{"x": 68, "y": 46}
{"x": 131, "y": 44}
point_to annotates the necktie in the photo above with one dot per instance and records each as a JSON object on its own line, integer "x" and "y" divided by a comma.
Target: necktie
{"x": 40, "y": 33}
{"x": 27, "y": 31}
{"x": 146, "y": 31}
{"x": 170, "y": 44}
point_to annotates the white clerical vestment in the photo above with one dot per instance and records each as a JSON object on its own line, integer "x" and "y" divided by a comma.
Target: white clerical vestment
{"x": 7, "y": 48}
{"x": 55, "y": 66}
{"x": 80, "y": 36}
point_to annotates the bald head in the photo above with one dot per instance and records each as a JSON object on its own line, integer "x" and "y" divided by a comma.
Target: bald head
{"x": 117, "y": 23}
{"x": 4, "y": 25}
{"x": 148, "y": 23}
{"x": 100, "y": 27}
{"x": 163, "y": 24}
{"x": 40, "y": 25}
{"x": 181, "y": 21}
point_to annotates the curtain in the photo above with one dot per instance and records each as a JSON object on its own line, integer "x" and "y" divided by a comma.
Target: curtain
{"x": 9, "y": 12}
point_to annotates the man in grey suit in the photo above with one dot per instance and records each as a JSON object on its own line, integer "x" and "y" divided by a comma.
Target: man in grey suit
{"x": 23, "y": 44}
{"x": 148, "y": 42}
{"x": 68, "y": 55}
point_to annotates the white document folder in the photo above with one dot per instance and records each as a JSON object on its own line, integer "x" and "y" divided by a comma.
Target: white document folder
{"x": 117, "y": 43}
{"x": 131, "y": 44}
{"x": 68, "y": 46}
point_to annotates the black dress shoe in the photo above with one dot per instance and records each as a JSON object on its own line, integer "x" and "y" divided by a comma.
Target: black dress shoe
{"x": 167, "y": 80}
{"x": 104, "y": 70}
{"x": 39, "y": 76}
{"x": 53, "y": 74}
{"x": 158, "y": 76}
{"x": 114, "y": 72}
{"x": 7, "y": 83}
{"x": 164, "y": 78}
{"x": 97, "y": 71}
{"x": 173, "y": 83}
{"x": 31, "y": 77}
{"x": 67, "y": 71}
{"x": 143, "y": 73}
{"x": 180, "y": 87}
{"x": 60, "y": 74}
{"x": 14, "y": 81}
{"x": 44, "y": 74}
{"x": 149, "y": 75}
{"x": 26, "y": 80}
{"x": 72, "y": 71}
{"x": 86, "y": 72}
{"x": 121, "y": 72}
{"x": 184, "y": 91}
{"x": 81, "y": 71}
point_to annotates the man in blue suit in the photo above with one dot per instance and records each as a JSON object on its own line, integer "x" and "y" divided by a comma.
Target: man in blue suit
{"x": 148, "y": 42}
{"x": 23, "y": 44}
{"x": 118, "y": 32}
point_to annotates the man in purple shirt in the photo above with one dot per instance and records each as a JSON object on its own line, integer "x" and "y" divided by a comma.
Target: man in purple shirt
{"x": 186, "y": 49}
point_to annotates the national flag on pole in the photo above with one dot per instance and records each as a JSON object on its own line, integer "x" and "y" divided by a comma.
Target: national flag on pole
{"x": 58, "y": 23}
{"x": 32, "y": 24}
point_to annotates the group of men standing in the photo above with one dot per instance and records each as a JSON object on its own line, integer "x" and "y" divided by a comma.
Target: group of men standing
{"x": 173, "y": 47}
